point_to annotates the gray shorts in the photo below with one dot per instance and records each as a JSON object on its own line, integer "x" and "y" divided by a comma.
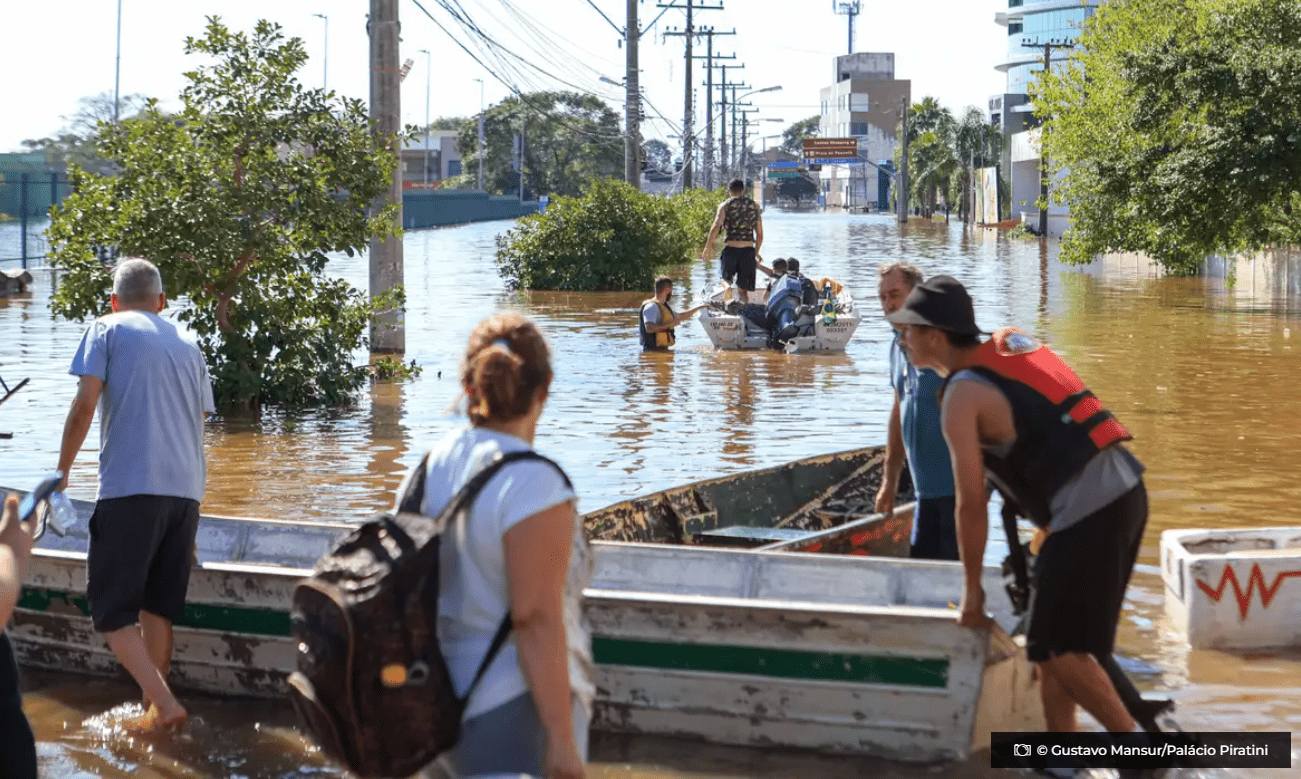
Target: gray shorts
{"x": 507, "y": 741}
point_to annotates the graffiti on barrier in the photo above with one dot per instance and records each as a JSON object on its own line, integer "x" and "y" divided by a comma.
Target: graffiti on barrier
{"x": 1257, "y": 578}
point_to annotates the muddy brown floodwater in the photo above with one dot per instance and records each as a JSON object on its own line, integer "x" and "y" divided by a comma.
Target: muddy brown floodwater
{"x": 1203, "y": 371}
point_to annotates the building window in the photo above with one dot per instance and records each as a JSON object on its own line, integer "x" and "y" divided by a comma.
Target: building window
{"x": 860, "y": 103}
{"x": 858, "y": 128}
{"x": 1014, "y": 28}
{"x": 453, "y": 167}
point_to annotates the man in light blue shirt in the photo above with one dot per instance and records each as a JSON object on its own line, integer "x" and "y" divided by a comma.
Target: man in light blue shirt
{"x": 915, "y": 433}
{"x": 151, "y": 386}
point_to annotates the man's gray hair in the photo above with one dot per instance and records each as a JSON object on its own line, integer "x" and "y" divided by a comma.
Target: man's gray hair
{"x": 136, "y": 281}
{"x": 912, "y": 275}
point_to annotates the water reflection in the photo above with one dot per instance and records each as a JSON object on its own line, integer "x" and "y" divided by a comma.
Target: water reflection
{"x": 1201, "y": 370}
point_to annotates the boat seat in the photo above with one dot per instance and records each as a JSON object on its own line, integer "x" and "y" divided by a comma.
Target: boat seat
{"x": 748, "y": 537}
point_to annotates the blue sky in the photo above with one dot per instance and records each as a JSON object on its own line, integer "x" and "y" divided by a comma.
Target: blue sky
{"x": 55, "y": 53}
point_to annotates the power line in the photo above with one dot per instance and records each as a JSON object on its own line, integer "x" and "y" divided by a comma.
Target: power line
{"x": 598, "y": 136}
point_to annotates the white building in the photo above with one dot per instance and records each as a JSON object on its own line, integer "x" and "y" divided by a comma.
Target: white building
{"x": 442, "y": 156}
{"x": 863, "y": 102}
{"x": 1030, "y": 25}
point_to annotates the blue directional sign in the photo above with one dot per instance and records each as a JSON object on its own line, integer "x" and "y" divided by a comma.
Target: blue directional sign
{"x": 831, "y": 160}
{"x": 784, "y": 164}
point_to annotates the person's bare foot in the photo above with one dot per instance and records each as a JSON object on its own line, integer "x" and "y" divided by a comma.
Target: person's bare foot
{"x": 155, "y": 719}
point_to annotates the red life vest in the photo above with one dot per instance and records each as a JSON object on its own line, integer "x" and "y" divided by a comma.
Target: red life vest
{"x": 1060, "y": 424}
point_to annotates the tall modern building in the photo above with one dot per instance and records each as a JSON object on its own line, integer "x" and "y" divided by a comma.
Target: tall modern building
{"x": 1032, "y": 24}
{"x": 862, "y": 102}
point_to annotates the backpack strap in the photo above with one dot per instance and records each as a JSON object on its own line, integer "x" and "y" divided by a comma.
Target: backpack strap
{"x": 414, "y": 498}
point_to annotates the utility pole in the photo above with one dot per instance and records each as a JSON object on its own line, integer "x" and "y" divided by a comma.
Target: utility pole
{"x": 850, "y": 9}
{"x": 709, "y": 33}
{"x": 117, "y": 68}
{"x": 688, "y": 34}
{"x": 724, "y": 161}
{"x": 1048, "y": 46}
{"x": 903, "y": 161}
{"x": 632, "y": 102}
{"x": 427, "y": 149}
{"x": 480, "y": 133}
{"x": 325, "y": 60}
{"x": 387, "y": 331}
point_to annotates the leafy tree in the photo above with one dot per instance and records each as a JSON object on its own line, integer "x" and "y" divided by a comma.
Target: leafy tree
{"x": 237, "y": 199}
{"x": 569, "y": 139}
{"x": 657, "y": 154}
{"x": 77, "y": 143}
{"x": 453, "y": 123}
{"x": 1174, "y": 128}
{"x": 793, "y": 136}
{"x": 612, "y": 237}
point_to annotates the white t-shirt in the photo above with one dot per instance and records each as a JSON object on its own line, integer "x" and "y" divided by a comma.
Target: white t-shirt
{"x": 473, "y": 591}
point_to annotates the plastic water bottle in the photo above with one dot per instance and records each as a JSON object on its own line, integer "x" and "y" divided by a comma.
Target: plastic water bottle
{"x": 61, "y": 514}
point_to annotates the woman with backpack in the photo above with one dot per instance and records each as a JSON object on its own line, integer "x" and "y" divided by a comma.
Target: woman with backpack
{"x": 521, "y": 552}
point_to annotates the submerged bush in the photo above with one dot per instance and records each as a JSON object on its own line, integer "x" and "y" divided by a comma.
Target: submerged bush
{"x": 611, "y": 237}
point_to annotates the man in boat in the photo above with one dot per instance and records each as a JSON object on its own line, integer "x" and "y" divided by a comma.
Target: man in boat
{"x": 18, "y": 755}
{"x": 151, "y": 385}
{"x": 808, "y": 290}
{"x": 657, "y": 320}
{"x": 915, "y": 434}
{"x": 739, "y": 217}
{"x": 1012, "y": 411}
{"x": 781, "y": 300}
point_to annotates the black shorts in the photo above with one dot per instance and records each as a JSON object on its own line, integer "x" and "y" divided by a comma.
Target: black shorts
{"x": 739, "y": 262}
{"x": 141, "y": 551}
{"x": 937, "y": 532}
{"x": 1079, "y": 580}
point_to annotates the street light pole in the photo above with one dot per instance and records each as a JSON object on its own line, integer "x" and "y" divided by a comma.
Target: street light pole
{"x": 480, "y": 133}
{"x": 325, "y": 67}
{"x": 117, "y": 69}
{"x": 427, "y": 72}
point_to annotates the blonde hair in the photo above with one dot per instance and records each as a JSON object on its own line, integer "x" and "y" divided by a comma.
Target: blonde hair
{"x": 506, "y": 361}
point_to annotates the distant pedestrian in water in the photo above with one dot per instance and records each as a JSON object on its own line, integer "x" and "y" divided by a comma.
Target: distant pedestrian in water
{"x": 521, "y": 553}
{"x": 657, "y": 320}
{"x": 914, "y": 434}
{"x": 152, "y": 389}
{"x": 739, "y": 218}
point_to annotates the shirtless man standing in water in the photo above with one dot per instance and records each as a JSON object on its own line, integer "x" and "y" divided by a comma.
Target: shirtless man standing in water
{"x": 744, "y": 225}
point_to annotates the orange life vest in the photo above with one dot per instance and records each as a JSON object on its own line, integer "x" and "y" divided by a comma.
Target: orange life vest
{"x": 1060, "y": 424}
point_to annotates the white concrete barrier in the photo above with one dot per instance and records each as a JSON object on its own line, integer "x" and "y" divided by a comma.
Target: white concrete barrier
{"x": 1234, "y": 589}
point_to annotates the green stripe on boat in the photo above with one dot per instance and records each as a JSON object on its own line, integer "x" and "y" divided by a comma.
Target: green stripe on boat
{"x": 781, "y": 663}
{"x": 225, "y": 619}
{"x": 750, "y": 661}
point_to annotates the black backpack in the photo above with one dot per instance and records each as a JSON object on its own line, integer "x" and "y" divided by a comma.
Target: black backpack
{"x": 372, "y": 686}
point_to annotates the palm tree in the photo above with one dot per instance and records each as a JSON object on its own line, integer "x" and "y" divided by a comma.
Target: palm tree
{"x": 976, "y": 144}
{"x": 931, "y": 160}
{"x": 930, "y": 116}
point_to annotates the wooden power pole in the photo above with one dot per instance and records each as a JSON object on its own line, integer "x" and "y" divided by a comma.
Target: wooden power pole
{"x": 710, "y": 57}
{"x": 1043, "y": 154}
{"x": 388, "y": 332}
{"x": 688, "y": 34}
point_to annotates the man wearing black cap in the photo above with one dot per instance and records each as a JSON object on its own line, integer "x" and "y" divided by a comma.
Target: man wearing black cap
{"x": 1015, "y": 413}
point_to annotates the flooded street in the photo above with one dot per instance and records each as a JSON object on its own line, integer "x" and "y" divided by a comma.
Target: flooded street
{"x": 1203, "y": 372}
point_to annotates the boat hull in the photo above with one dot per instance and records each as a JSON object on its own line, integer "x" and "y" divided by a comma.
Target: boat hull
{"x": 837, "y": 653}
{"x": 787, "y": 506}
